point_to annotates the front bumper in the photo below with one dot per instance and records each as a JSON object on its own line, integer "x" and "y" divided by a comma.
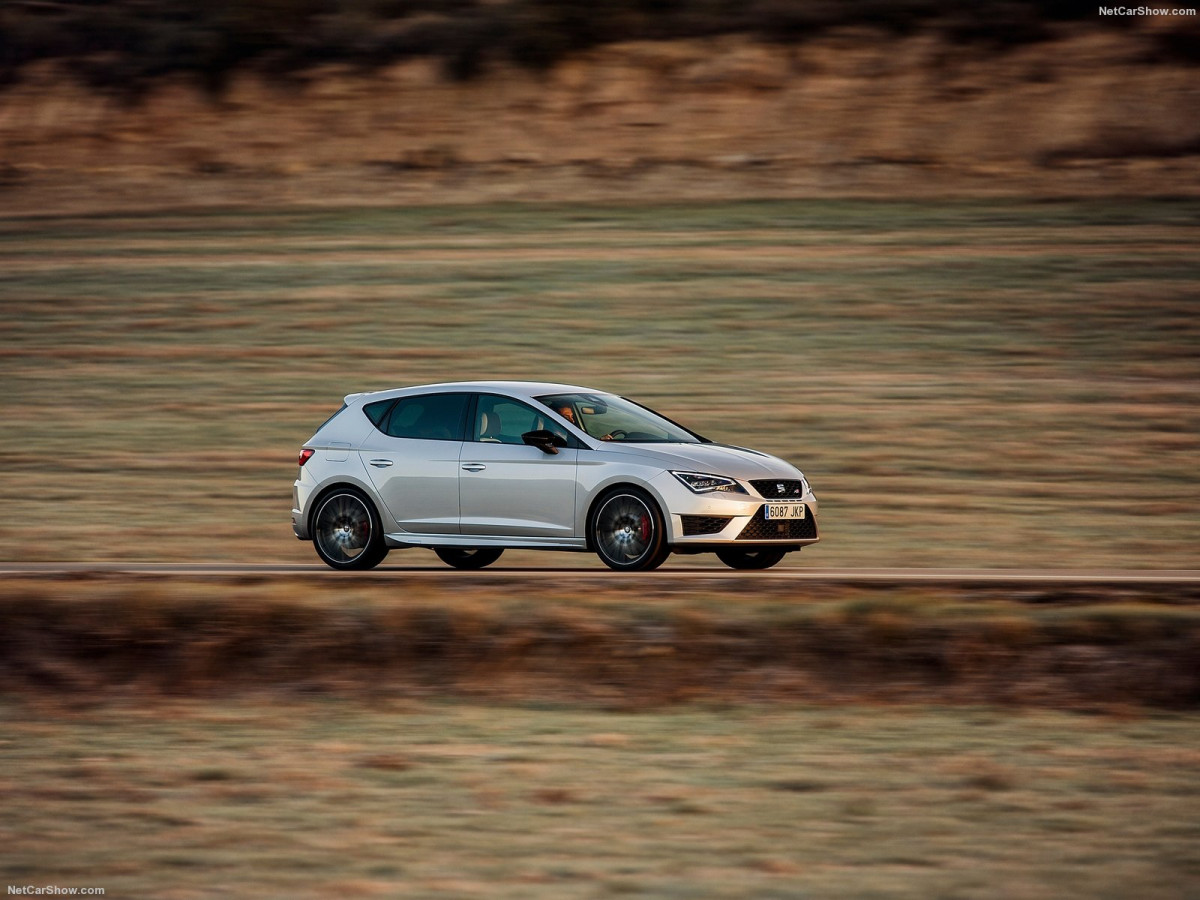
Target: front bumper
{"x": 719, "y": 518}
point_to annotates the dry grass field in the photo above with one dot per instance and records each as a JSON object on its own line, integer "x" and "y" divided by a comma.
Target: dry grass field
{"x": 261, "y": 737}
{"x": 965, "y": 383}
{"x": 323, "y": 798}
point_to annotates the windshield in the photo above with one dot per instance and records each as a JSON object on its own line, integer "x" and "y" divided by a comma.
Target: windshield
{"x": 612, "y": 418}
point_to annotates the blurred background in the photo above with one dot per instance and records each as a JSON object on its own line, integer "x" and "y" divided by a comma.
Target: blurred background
{"x": 940, "y": 255}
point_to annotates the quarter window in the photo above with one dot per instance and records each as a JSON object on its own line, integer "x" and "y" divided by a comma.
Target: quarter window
{"x": 377, "y": 410}
{"x": 431, "y": 417}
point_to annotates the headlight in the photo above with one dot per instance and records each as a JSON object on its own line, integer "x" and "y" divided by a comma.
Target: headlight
{"x": 700, "y": 483}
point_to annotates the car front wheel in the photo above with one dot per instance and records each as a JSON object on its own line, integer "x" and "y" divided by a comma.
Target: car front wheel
{"x": 737, "y": 558}
{"x": 627, "y": 531}
{"x": 346, "y": 531}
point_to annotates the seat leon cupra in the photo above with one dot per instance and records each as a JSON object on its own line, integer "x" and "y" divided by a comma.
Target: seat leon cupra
{"x": 469, "y": 470}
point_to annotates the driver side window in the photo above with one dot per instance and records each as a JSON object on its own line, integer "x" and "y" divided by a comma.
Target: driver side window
{"x": 501, "y": 420}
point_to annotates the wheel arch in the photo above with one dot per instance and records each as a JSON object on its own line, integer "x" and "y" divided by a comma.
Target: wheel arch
{"x": 335, "y": 484}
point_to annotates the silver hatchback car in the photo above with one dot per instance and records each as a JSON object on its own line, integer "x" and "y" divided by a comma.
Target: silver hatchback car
{"x": 471, "y": 469}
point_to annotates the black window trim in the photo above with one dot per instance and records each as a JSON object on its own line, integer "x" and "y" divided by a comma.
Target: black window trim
{"x": 339, "y": 411}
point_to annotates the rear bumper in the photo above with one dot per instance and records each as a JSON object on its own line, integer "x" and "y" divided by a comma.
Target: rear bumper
{"x": 300, "y": 495}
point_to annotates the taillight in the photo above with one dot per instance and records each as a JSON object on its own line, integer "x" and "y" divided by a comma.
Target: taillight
{"x": 306, "y": 455}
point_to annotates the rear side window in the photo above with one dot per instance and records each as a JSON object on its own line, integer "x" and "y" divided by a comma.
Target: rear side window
{"x": 432, "y": 417}
{"x": 377, "y": 410}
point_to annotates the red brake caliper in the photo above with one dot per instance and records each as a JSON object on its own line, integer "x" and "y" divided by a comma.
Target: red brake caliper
{"x": 645, "y": 529}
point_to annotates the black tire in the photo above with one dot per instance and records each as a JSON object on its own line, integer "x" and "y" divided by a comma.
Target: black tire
{"x": 760, "y": 558}
{"x": 346, "y": 530}
{"x": 627, "y": 531}
{"x": 468, "y": 558}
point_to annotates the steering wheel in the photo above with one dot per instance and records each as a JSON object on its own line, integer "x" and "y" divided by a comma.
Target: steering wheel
{"x": 616, "y": 434}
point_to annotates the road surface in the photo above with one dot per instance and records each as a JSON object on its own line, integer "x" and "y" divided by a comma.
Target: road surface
{"x": 668, "y": 573}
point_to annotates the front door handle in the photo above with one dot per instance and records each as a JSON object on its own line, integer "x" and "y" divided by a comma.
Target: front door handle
{"x": 474, "y": 467}
{"x": 381, "y": 463}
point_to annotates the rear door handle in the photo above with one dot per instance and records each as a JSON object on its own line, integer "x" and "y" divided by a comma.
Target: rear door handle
{"x": 474, "y": 467}
{"x": 381, "y": 463}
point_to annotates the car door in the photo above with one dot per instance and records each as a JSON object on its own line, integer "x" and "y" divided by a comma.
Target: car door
{"x": 412, "y": 458}
{"x": 507, "y": 487}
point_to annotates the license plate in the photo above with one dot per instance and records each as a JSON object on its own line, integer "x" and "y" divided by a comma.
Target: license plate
{"x": 784, "y": 511}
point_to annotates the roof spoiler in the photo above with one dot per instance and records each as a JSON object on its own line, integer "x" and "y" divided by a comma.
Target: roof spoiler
{"x": 350, "y": 398}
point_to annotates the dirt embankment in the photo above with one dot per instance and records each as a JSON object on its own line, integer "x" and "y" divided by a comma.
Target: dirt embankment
{"x": 850, "y": 113}
{"x": 640, "y": 646}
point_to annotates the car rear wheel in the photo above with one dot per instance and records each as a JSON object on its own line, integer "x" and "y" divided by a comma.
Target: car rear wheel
{"x": 346, "y": 531}
{"x": 627, "y": 531}
{"x": 473, "y": 558}
{"x": 763, "y": 558}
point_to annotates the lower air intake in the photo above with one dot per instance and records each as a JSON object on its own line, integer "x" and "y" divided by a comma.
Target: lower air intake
{"x": 761, "y": 528}
{"x": 693, "y": 525}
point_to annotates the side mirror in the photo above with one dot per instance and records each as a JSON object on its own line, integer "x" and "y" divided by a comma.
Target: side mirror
{"x": 546, "y": 441}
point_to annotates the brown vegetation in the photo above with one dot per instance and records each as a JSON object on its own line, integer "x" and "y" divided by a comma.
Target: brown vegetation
{"x": 126, "y": 45}
{"x": 520, "y": 640}
{"x": 850, "y": 104}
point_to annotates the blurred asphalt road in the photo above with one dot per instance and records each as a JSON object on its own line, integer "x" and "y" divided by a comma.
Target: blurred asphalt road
{"x": 668, "y": 573}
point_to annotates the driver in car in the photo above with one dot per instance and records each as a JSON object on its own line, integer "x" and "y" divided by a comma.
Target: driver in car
{"x": 569, "y": 414}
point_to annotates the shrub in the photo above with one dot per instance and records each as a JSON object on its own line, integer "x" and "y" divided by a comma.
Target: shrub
{"x": 126, "y": 44}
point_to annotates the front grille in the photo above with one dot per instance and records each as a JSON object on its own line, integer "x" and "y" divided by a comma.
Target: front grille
{"x": 762, "y": 529}
{"x": 703, "y": 524}
{"x": 778, "y": 488}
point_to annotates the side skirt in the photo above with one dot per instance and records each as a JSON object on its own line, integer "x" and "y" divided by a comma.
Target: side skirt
{"x": 507, "y": 542}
